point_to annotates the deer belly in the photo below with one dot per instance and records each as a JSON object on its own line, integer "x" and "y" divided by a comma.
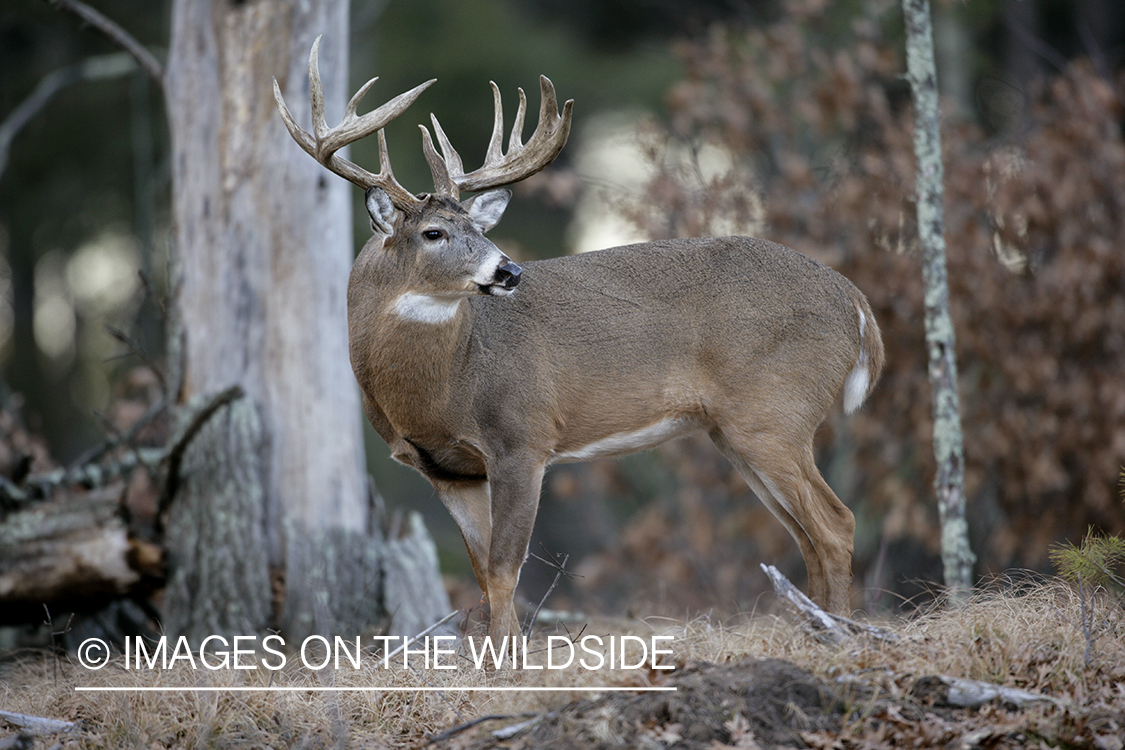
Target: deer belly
{"x": 445, "y": 461}
{"x": 621, "y": 443}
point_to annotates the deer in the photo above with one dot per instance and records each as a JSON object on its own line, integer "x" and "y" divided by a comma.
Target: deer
{"x": 480, "y": 373}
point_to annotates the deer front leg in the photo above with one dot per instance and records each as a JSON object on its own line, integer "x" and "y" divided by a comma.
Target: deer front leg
{"x": 470, "y": 505}
{"x": 515, "y": 486}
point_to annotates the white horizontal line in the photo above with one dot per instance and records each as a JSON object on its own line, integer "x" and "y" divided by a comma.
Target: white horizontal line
{"x": 321, "y": 689}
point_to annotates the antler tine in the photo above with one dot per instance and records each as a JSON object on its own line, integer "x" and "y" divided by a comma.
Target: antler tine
{"x": 449, "y": 154}
{"x": 549, "y": 103}
{"x": 516, "y": 141}
{"x": 495, "y": 142}
{"x": 445, "y": 168}
{"x": 400, "y": 196}
{"x": 324, "y": 142}
{"x": 384, "y": 157}
{"x": 522, "y": 160}
{"x": 303, "y": 139}
{"x": 316, "y": 95}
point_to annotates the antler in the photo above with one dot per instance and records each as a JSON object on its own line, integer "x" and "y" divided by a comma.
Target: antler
{"x": 522, "y": 160}
{"x": 323, "y": 144}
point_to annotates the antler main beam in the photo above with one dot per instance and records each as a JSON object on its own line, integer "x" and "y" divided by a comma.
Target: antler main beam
{"x": 521, "y": 161}
{"x": 324, "y": 141}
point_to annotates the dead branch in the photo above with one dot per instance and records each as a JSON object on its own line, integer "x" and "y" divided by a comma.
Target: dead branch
{"x": 515, "y": 730}
{"x": 561, "y": 571}
{"x": 124, "y": 438}
{"x": 200, "y": 409}
{"x": 955, "y": 691}
{"x": 95, "y": 475}
{"x": 423, "y": 634}
{"x": 119, "y": 36}
{"x": 836, "y": 630}
{"x": 37, "y": 725}
{"x": 94, "y": 68}
{"x": 824, "y": 627}
{"x": 469, "y": 725}
{"x": 134, "y": 349}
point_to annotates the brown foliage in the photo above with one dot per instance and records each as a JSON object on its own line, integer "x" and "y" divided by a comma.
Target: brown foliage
{"x": 819, "y": 140}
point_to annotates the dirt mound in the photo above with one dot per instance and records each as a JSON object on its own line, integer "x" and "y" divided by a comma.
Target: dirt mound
{"x": 761, "y": 704}
{"x": 768, "y": 701}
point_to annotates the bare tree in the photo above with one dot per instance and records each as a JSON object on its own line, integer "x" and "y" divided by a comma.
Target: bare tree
{"x": 269, "y": 517}
{"x": 949, "y": 482}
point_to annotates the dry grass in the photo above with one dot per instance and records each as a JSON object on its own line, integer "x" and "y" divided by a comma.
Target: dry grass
{"x": 1032, "y": 639}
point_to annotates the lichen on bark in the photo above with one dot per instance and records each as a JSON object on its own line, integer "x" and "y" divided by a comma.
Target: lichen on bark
{"x": 949, "y": 481}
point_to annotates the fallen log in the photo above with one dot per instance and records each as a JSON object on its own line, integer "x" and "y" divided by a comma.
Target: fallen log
{"x": 65, "y": 540}
{"x": 71, "y": 552}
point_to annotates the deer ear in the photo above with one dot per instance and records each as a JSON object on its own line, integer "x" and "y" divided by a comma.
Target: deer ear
{"x": 486, "y": 209}
{"x": 381, "y": 211}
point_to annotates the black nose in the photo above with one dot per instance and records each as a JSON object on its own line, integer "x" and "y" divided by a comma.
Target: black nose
{"x": 508, "y": 275}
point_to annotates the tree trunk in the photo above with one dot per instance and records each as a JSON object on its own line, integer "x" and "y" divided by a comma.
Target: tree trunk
{"x": 957, "y": 557}
{"x": 272, "y": 495}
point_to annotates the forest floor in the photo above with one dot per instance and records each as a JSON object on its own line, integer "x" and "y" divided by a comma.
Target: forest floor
{"x": 761, "y": 682}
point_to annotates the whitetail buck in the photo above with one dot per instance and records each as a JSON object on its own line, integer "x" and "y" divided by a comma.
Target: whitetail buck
{"x": 481, "y": 385}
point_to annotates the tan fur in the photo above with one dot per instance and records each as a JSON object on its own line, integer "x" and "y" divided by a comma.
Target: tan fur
{"x": 742, "y": 338}
{"x": 481, "y": 384}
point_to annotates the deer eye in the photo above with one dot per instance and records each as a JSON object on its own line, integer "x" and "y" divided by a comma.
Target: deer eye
{"x": 433, "y": 235}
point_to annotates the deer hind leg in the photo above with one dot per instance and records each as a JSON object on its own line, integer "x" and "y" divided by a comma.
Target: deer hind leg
{"x": 785, "y": 478}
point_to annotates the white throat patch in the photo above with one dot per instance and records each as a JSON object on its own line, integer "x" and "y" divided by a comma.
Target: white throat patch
{"x": 424, "y": 308}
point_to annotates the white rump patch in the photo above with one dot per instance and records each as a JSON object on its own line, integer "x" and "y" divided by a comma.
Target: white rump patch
{"x": 424, "y": 308}
{"x": 855, "y": 387}
{"x": 630, "y": 442}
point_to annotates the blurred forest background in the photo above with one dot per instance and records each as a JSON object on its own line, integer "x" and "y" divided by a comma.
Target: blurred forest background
{"x": 787, "y": 119}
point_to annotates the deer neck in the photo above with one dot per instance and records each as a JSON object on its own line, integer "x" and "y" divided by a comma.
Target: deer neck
{"x": 407, "y": 354}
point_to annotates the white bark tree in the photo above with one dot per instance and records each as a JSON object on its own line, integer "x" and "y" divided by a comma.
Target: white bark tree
{"x": 949, "y": 482}
{"x": 271, "y": 521}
